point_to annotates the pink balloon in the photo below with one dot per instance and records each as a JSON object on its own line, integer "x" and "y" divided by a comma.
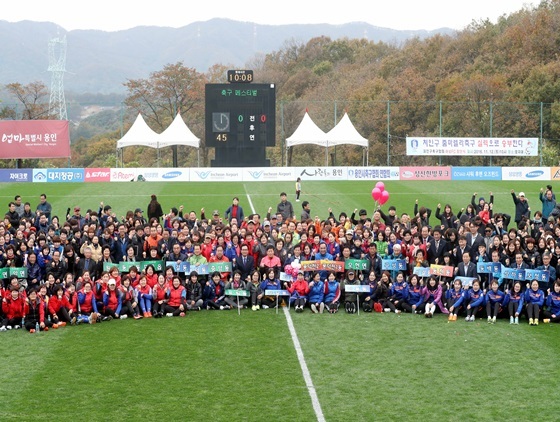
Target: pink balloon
{"x": 384, "y": 197}
{"x": 376, "y": 194}
{"x": 380, "y": 186}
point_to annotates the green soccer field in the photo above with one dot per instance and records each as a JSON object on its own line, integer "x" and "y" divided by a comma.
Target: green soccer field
{"x": 217, "y": 365}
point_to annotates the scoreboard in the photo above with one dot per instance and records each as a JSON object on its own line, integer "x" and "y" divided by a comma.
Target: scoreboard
{"x": 240, "y": 121}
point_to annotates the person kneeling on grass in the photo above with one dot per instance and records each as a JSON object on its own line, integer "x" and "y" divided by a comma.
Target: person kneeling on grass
{"x": 60, "y": 309}
{"x": 494, "y": 301}
{"x": 129, "y": 305}
{"x": 472, "y": 300}
{"x": 213, "y": 293}
{"x": 144, "y": 296}
{"x": 432, "y": 295}
{"x": 176, "y": 296}
{"x": 317, "y": 293}
{"x": 534, "y": 298}
{"x": 112, "y": 301}
{"x": 350, "y": 298}
{"x": 14, "y": 308}
{"x": 88, "y": 305}
{"x": 35, "y": 312}
{"x": 452, "y": 296}
{"x": 332, "y": 293}
{"x": 236, "y": 284}
{"x": 299, "y": 291}
{"x": 552, "y": 312}
{"x": 514, "y": 301}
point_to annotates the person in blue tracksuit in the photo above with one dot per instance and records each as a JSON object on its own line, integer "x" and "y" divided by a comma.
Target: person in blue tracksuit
{"x": 397, "y": 294}
{"x": 494, "y": 301}
{"x": 452, "y": 296}
{"x": 415, "y": 297}
{"x": 534, "y": 298}
{"x": 270, "y": 283}
{"x": 317, "y": 293}
{"x": 514, "y": 302}
{"x": 332, "y": 293}
{"x": 552, "y": 311}
{"x": 473, "y": 300}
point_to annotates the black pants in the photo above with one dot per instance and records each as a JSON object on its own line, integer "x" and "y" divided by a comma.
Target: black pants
{"x": 63, "y": 315}
{"x": 175, "y": 310}
{"x": 127, "y": 309}
{"x": 548, "y": 314}
{"x": 387, "y": 303}
{"x": 533, "y": 311}
{"x": 158, "y": 308}
{"x": 11, "y": 322}
{"x": 473, "y": 311}
{"x": 512, "y": 308}
{"x": 492, "y": 310}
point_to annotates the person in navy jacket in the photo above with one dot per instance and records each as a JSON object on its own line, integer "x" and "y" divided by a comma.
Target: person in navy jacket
{"x": 534, "y": 297}
{"x": 317, "y": 293}
{"x": 415, "y": 297}
{"x": 452, "y": 296}
{"x": 494, "y": 301}
{"x": 332, "y": 293}
{"x": 552, "y": 311}
{"x": 514, "y": 301}
{"x": 473, "y": 300}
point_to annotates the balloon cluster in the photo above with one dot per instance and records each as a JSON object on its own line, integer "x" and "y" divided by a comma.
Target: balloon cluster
{"x": 293, "y": 269}
{"x": 379, "y": 194}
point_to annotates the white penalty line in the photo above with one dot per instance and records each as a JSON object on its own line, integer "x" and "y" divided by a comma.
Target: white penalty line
{"x": 299, "y": 351}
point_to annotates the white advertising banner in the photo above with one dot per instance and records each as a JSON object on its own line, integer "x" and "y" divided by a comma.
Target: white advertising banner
{"x": 164, "y": 174}
{"x": 263, "y": 174}
{"x": 216, "y": 174}
{"x": 123, "y": 174}
{"x": 525, "y": 173}
{"x": 321, "y": 173}
{"x": 515, "y": 147}
{"x": 373, "y": 173}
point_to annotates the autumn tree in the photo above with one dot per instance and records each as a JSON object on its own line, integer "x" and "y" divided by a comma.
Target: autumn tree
{"x": 174, "y": 89}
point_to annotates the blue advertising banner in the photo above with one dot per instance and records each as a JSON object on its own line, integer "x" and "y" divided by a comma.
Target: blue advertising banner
{"x": 16, "y": 175}
{"x": 476, "y": 173}
{"x": 65, "y": 175}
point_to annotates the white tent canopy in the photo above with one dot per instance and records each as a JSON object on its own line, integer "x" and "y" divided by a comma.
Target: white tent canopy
{"x": 178, "y": 133}
{"x": 139, "y": 134}
{"x": 307, "y": 133}
{"x": 343, "y": 133}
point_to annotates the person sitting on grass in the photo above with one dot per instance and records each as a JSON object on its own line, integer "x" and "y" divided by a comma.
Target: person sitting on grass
{"x": 255, "y": 292}
{"x": 514, "y": 301}
{"x": 129, "y": 307}
{"x": 60, "y": 308}
{"x": 534, "y": 298}
{"x": 88, "y": 305}
{"x": 236, "y": 284}
{"x": 14, "y": 308}
{"x": 176, "y": 296}
{"x": 144, "y": 296}
{"x": 415, "y": 296}
{"x": 270, "y": 282}
{"x": 299, "y": 291}
{"x": 213, "y": 293}
{"x": 317, "y": 293}
{"x": 194, "y": 293}
{"x": 494, "y": 301}
{"x": 552, "y": 312}
{"x": 350, "y": 298}
{"x": 332, "y": 293}
{"x": 472, "y": 300}
{"x": 452, "y": 296}
{"x": 397, "y": 294}
{"x": 35, "y": 313}
{"x": 112, "y": 301}
{"x": 432, "y": 294}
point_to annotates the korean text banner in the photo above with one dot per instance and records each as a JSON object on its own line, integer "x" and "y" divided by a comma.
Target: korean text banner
{"x": 515, "y": 147}
{"x": 34, "y": 139}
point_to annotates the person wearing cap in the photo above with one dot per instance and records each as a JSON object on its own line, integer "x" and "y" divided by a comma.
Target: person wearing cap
{"x": 350, "y": 298}
{"x": 235, "y": 211}
{"x": 285, "y": 207}
{"x": 480, "y": 206}
{"x": 112, "y": 301}
{"x": 522, "y": 209}
{"x": 139, "y": 217}
{"x": 362, "y": 217}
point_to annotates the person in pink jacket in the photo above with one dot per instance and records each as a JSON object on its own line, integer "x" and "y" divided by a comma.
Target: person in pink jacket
{"x": 432, "y": 295}
{"x": 299, "y": 291}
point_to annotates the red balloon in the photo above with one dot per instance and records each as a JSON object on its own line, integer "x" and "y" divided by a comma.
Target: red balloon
{"x": 376, "y": 194}
{"x": 380, "y": 186}
{"x": 384, "y": 197}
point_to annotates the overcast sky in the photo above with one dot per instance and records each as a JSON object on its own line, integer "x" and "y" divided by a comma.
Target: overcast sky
{"x": 114, "y": 15}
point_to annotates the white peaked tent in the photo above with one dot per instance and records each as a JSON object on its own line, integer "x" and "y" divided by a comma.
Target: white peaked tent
{"x": 139, "y": 134}
{"x": 307, "y": 133}
{"x": 345, "y": 133}
{"x": 178, "y": 133}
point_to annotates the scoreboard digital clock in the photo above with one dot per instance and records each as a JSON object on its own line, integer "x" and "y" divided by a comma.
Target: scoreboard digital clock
{"x": 240, "y": 122}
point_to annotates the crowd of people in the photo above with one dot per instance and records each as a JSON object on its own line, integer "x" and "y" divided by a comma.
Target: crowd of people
{"x": 73, "y": 270}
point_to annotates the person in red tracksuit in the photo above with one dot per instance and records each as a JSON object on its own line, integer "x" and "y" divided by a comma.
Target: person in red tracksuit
{"x": 159, "y": 292}
{"x": 15, "y": 309}
{"x": 88, "y": 304}
{"x": 176, "y": 299}
{"x": 36, "y": 312}
{"x": 112, "y": 301}
{"x": 72, "y": 297}
{"x": 129, "y": 304}
{"x": 59, "y": 308}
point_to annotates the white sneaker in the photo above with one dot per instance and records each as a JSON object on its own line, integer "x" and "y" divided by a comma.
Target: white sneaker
{"x": 321, "y": 307}
{"x": 493, "y": 320}
{"x": 511, "y": 320}
{"x": 313, "y": 308}
{"x": 16, "y": 327}
{"x": 265, "y": 307}
{"x": 9, "y": 327}
{"x": 221, "y": 307}
{"x": 489, "y": 320}
{"x": 297, "y": 200}
{"x": 472, "y": 318}
{"x": 169, "y": 314}
{"x": 257, "y": 307}
{"x": 3, "y": 328}
{"x": 387, "y": 310}
{"x": 468, "y": 318}
{"x": 123, "y": 316}
{"x": 397, "y": 311}
{"x": 254, "y": 307}
{"x": 516, "y": 321}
